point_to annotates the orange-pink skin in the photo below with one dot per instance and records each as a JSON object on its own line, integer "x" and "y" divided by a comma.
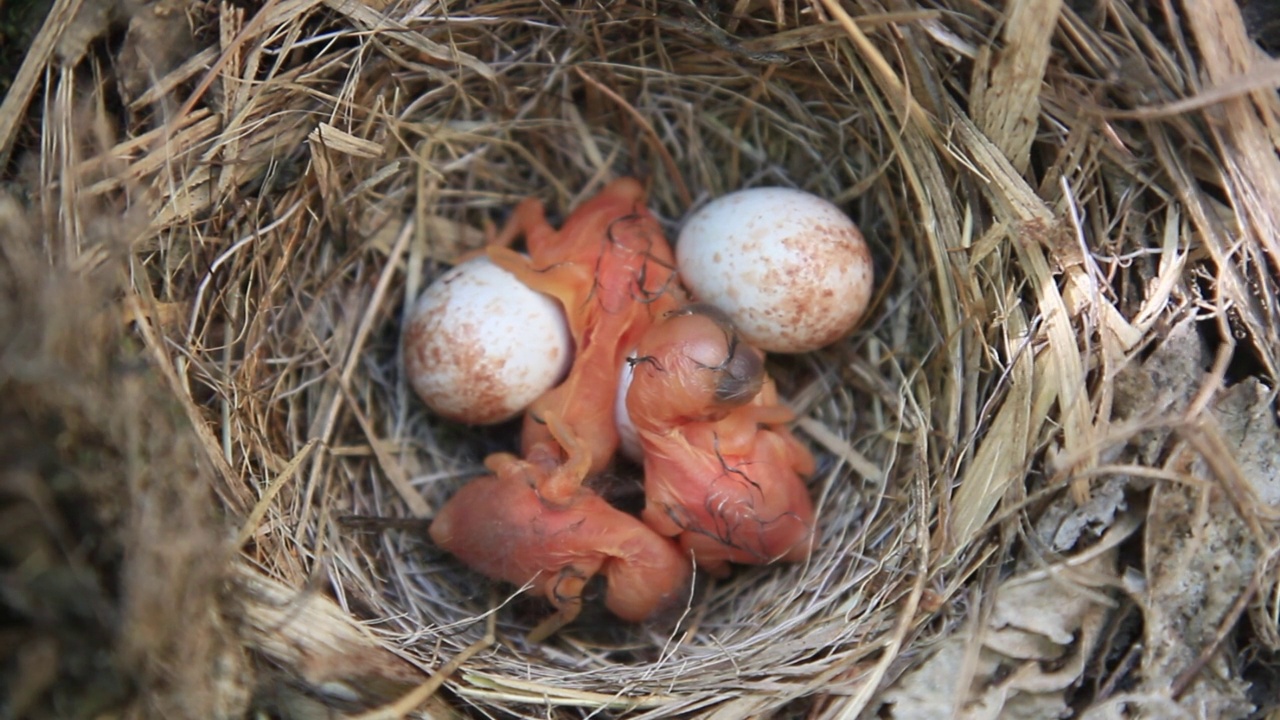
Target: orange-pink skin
{"x": 612, "y": 269}
{"x": 722, "y": 474}
{"x": 498, "y": 525}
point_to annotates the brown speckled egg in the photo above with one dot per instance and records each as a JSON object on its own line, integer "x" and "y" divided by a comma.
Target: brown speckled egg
{"x": 480, "y": 346}
{"x": 791, "y": 270}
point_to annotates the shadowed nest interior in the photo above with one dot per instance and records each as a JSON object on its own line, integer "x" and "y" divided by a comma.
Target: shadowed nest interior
{"x": 1072, "y": 208}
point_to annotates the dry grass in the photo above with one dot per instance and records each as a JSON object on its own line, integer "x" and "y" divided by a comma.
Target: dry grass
{"x": 999, "y": 472}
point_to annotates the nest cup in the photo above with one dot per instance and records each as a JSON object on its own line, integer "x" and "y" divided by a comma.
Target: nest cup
{"x": 692, "y": 131}
{"x": 1044, "y": 201}
{"x": 554, "y": 105}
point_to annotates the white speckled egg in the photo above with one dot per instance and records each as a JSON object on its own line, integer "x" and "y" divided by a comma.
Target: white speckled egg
{"x": 790, "y": 269}
{"x": 480, "y": 346}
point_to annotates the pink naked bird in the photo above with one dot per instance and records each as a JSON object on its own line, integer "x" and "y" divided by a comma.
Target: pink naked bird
{"x": 612, "y": 269}
{"x": 721, "y": 473}
{"x": 498, "y": 525}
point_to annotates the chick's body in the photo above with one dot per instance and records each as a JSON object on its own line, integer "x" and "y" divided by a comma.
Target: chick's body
{"x": 498, "y": 526}
{"x": 612, "y": 269}
{"x": 721, "y": 472}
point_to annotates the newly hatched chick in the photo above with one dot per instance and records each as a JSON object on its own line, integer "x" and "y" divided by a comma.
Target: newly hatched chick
{"x": 498, "y": 525}
{"x": 613, "y": 270}
{"x": 721, "y": 472}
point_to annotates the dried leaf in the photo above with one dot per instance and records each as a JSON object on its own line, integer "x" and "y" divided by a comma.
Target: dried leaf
{"x": 1201, "y": 554}
{"x": 1035, "y": 646}
{"x": 1200, "y": 559}
{"x": 1062, "y": 525}
{"x": 1248, "y": 422}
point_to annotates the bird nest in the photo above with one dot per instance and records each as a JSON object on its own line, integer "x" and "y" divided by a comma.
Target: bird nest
{"x": 1045, "y": 459}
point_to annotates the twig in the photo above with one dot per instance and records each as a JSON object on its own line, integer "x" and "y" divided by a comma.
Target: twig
{"x": 414, "y": 698}
{"x": 14, "y": 107}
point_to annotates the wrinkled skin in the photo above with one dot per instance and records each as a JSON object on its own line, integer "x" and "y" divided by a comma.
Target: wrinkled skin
{"x": 721, "y": 473}
{"x": 498, "y": 525}
{"x": 612, "y": 269}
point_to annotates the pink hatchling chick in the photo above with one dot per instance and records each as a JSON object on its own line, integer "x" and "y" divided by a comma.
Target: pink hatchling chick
{"x": 498, "y": 525}
{"x": 721, "y": 472}
{"x": 613, "y": 270}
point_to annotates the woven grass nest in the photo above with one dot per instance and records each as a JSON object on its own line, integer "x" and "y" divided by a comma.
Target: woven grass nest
{"x": 1047, "y": 458}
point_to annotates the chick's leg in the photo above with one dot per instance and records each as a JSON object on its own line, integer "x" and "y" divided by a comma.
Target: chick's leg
{"x": 570, "y": 283}
{"x": 565, "y": 593}
{"x": 561, "y": 484}
{"x": 509, "y": 467}
{"x": 528, "y": 219}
